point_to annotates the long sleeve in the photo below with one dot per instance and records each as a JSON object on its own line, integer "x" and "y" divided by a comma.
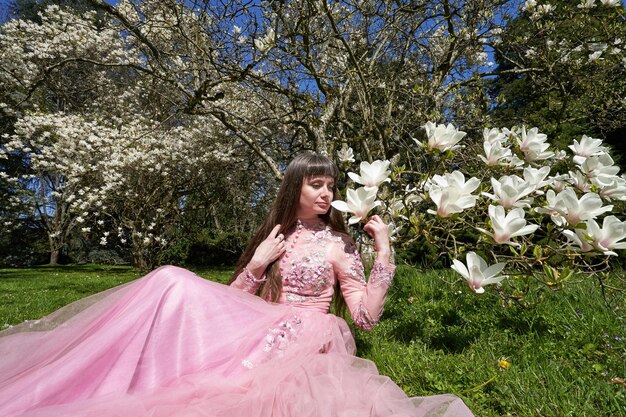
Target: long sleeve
{"x": 247, "y": 281}
{"x": 365, "y": 300}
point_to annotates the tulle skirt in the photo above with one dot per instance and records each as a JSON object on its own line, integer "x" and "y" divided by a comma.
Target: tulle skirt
{"x": 174, "y": 344}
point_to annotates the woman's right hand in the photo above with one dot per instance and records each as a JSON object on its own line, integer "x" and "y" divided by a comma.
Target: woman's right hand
{"x": 267, "y": 252}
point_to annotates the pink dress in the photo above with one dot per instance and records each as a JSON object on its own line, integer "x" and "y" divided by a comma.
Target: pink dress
{"x": 174, "y": 344}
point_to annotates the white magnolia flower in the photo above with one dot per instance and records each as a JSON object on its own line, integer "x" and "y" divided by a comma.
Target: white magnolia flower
{"x": 604, "y": 239}
{"x": 455, "y": 179}
{"x": 597, "y": 49}
{"x": 608, "y": 237}
{"x": 360, "y": 202}
{"x": 614, "y": 189}
{"x": 533, "y": 145}
{"x": 536, "y": 178}
{"x": 580, "y": 181}
{"x": 587, "y": 4}
{"x": 505, "y": 226}
{"x": 441, "y": 137}
{"x": 510, "y": 191}
{"x": 396, "y": 207}
{"x": 477, "y": 273}
{"x": 566, "y": 208}
{"x": 545, "y": 9}
{"x": 585, "y": 148}
{"x": 495, "y": 153}
{"x": 529, "y": 5}
{"x": 372, "y": 175}
{"x": 450, "y": 200}
{"x": 610, "y": 3}
{"x": 494, "y": 135}
{"x": 265, "y": 43}
{"x": 393, "y": 230}
{"x": 85, "y": 229}
{"x": 578, "y": 239}
{"x": 600, "y": 168}
{"x": 451, "y": 193}
{"x": 345, "y": 154}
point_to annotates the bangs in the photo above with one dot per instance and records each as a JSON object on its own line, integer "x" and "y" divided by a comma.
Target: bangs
{"x": 321, "y": 166}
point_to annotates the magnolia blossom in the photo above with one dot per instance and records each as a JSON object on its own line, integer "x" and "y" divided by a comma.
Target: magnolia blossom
{"x": 536, "y": 178}
{"x": 610, "y": 3}
{"x": 566, "y": 208}
{"x": 441, "y": 137}
{"x": 587, "y": 4}
{"x": 265, "y": 43}
{"x": 450, "y": 201}
{"x": 578, "y": 240}
{"x": 509, "y": 191}
{"x": 372, "y": 175}
{"x": 505, "y": 226}
{"x": 495, "y": 153}
{"x": 597, "y": 49}
{"x": 455, "y": 179}
{"x": 580, "y": 181}
{"x": 533, "y": 145}
{"x": 614, "y": 189}
{"x": 604, "y": 239}
{"x": 451, "y": 193}
{"x": 345, "y": 154}
{"x": 600, "y": 168}
{"x": 477, "y": 273}
{"x": 360, "y": 202}
{"x": 494, "y": 135}
{"x": 608, "y": 237}
{"x": 585, "y": 148}
{"x": 395, "y": 208}
{"x": 530, "y": 5}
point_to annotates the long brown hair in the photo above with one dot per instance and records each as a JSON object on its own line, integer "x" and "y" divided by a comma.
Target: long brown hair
{"x": 283, "y": 212}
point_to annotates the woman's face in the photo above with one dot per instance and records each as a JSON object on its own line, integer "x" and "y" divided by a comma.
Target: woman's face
{"x": 315, "y": 196}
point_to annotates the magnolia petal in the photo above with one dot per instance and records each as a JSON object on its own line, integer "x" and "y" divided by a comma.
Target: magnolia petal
{"x": 493, "y": 280}
{"x": 493, "y": 270}
{"x": 355, "y": 177}
{"x": 354, "y": 219}
{"x": 460, "y": 268}
{"x": 531, "y": 228}
{"x": 340, "y": 205}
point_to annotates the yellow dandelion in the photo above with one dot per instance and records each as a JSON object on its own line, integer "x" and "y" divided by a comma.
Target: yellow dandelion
{"x": 504, "y": 363}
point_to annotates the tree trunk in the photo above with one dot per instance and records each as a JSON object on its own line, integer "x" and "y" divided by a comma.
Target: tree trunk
{"x": 139, "y": 260}
{"x": 54, "y": 257}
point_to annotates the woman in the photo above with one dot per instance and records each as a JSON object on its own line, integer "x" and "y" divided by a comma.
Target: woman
{"x": 173, "y": 344}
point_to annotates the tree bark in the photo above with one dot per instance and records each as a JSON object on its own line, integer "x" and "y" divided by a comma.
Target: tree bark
{"x": 54, "y": 257}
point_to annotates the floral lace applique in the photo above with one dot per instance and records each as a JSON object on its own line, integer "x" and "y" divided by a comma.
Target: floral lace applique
{"x": 322, "y": 236}
{"x": 310, "y": 274}
{"x": 277, "y": 341}
{"x": 381, "y": 274}
{"x": 295, "y": 298}
{"x": 355, "y": 270}
{"x": 279, "y": 338}
{"x": 363, "y": 319}
{"x": 251, "y": 283}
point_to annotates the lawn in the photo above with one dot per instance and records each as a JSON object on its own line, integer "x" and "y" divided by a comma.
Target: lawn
{"x": 564, "y": 356}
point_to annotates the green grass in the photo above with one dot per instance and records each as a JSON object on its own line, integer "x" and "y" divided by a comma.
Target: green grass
{"x": 565, "y": 352}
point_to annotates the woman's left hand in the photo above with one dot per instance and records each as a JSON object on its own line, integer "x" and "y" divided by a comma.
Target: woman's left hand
{"x": 378, "y": 230}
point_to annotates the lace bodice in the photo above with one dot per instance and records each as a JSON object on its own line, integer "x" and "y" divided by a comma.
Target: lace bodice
{"x": 316, "y": 258}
